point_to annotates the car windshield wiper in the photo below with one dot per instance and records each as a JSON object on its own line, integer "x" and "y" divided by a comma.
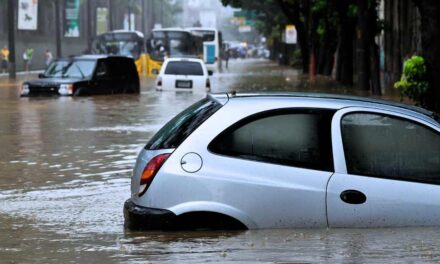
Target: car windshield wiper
{"x": 80, "y": 71}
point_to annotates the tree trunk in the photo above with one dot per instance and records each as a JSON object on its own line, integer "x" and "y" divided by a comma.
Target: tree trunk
{"x": 327, "y": 50}
{"x": 362, "y": 50}
{"x": 303, "y": 44}
{"x": 344, "y": 67}
{"x": 293, "y": 14}
{"x": 375, "y": 70}
{"x": 430, "y": 24}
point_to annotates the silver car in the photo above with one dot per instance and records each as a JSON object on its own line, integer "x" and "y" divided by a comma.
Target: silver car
{"x": 248, "y": 161}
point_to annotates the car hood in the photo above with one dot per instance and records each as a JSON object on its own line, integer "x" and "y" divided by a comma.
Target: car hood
{"x": 52, "y": 81}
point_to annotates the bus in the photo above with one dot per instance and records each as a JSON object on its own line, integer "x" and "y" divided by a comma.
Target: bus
{"x": 170, "y": 42}
{"x": 212, "y": 46}
{"x": 124, "y": 43}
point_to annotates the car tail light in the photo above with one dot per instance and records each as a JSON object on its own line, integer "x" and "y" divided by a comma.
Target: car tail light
{"x": 208, "y": 83}
{"x": 150, "y": 171}
{"x": 159, "y": 81}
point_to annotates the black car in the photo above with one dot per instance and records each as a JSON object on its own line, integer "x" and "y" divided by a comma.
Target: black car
{"x": 86, "y": 75}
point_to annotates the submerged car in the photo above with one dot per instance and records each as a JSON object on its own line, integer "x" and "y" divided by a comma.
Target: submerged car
{"x": 85, "y": 75}
{"x": 181, "y": 74}
{"x": 250, "y": 161}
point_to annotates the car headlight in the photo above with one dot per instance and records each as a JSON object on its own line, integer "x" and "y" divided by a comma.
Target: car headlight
{"x": 66, "y": 89}
{"x": 25, "y": 89}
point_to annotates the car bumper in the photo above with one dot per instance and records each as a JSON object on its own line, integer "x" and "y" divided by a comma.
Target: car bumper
{"x": 143, "y": 218}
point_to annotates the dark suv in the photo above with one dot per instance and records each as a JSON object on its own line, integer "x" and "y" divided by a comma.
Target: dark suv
{"x": 86, "y": 75}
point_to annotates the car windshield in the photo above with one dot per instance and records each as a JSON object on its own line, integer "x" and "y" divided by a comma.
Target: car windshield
{"x": 70, "y": 69}
{"x": 184, "y": 68}
{"x": 180, "y": 127}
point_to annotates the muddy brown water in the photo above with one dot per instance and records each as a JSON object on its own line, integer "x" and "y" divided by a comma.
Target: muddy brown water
{"x": 65, "y": 167}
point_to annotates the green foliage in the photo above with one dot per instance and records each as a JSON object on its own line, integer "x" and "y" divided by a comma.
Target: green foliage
{"x": 413, "y": 82}
{"x": 353, "y": 10}
{"x": 296, "y": 60}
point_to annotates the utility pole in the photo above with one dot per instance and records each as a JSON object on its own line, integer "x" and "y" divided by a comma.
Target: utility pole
{"x": 58, "y": 28}
{"x": 110, "y": 14}
{"x": 90, "y": 23}
{"x": 143, "y": 20}
{"x": 129, "y": 14}
{"x": 11, "y": 38}
{"x": 161, "y": 14}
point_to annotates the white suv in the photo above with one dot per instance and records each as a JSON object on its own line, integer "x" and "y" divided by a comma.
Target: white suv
{"x": 183, "y": 74}
{"x": 289, "y": 161}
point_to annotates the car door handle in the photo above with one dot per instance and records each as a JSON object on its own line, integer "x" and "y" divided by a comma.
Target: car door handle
{"x": 353, "y": 197}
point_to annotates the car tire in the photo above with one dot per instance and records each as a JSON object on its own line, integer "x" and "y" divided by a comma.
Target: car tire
{"x": 78, "y": 92}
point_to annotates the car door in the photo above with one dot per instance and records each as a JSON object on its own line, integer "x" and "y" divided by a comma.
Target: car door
{"x": 103, "y": 81}
{"x": 387, "y": 170}
{"x": 274, "y": 167}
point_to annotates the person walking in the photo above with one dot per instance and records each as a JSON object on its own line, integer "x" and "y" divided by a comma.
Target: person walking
{"x": 4, "y": 54}
{"x": 48, "y": 57}
{"x": 227, "y": 58}
{"x": 28, "y": 54}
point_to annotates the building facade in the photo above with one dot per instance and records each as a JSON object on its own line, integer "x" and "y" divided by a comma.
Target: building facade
{"x": 80, "y": 21}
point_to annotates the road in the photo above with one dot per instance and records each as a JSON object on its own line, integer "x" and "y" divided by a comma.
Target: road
{"x": 65, "y": 174}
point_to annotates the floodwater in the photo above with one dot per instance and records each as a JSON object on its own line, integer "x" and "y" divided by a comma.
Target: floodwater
{"x": 65, "y": 167}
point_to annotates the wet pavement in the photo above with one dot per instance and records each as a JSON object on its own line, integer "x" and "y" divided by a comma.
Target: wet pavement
{"x": 65, "y": 167}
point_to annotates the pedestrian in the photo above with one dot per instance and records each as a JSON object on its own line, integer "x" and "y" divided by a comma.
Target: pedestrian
{"x": 48, "y": 57}
{"x": 27, "y": 58}
{"x": 4, "y": 54}
{"x": 227, "y": 58}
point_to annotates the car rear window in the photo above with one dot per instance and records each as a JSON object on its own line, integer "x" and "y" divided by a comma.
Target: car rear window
{"x": 181, "y": 126}
{"x": 184, "y": 68}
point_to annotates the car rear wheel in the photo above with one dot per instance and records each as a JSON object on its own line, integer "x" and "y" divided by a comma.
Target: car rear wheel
{"x": 206, "y": 221}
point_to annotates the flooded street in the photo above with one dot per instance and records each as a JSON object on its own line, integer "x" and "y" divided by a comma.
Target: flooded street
{"x": 65, "y": 174}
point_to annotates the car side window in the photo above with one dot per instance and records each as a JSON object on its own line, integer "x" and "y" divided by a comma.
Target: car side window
{"x": 299, "y": 138}
{"x": 384, "y": 146}
{"x": 101, "y": 69}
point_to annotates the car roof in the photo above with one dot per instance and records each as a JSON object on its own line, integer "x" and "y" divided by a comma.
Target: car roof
{"x": 184, "y": 60}
{"x": 342, "y": 100}
{"x": 91, "y": 57}
{"x": 171, "y": 29}
{"x": 201, "y": 29}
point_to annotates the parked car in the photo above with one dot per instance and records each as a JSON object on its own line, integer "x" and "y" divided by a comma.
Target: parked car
{"x": 183, "y": 74}
{"x": 86, "y": 75}
{"x": 289, "y": 161}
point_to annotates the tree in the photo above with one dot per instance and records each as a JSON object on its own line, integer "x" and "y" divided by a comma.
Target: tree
{"x": 367, "y": 55}
{"x": 346, "y": 16}
{"x": 430, "y": 24}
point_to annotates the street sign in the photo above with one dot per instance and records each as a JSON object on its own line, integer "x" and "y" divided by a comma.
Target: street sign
{"x": 27, "y": 14}
{"x": 291, "y": 35}
{"x": 72, "y": 18}
{"x": 244, "y": 29}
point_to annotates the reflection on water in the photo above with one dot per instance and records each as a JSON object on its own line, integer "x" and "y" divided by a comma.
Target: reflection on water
{"x": 65, "y": 172}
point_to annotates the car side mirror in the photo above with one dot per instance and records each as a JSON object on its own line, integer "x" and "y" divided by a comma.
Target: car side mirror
{"x": 41, "y": 76}
{"x": 155, "y": 71}
{"x": 210, "y": 73}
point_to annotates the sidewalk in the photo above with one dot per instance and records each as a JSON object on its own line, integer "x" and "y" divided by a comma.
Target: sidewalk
{"x": 22, "y": 73}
